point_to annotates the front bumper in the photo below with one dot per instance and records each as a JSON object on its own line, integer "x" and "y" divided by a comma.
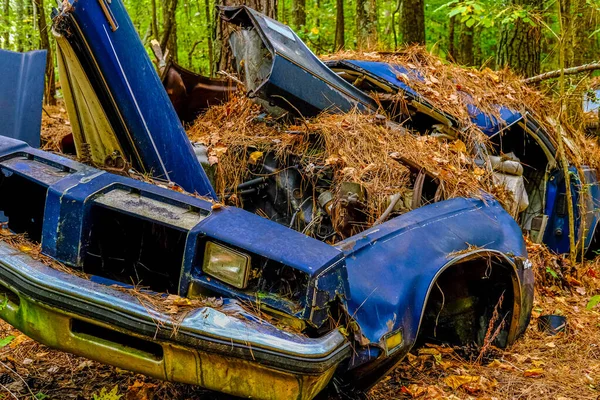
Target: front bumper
{"x": 226, "y": 350}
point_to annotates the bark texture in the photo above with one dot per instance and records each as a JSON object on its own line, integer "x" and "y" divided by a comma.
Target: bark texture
{"x": 340, "y": 38}
{"x": 50, "y": 88}
{"x": 520, "y": 43}
{"x": 299, "y": 13}
{"x": 412, "y": 21}
{"x": 366, "y": 24}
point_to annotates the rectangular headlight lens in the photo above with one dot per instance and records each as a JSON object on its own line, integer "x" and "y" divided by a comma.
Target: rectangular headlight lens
{"x": 227, "y": 265}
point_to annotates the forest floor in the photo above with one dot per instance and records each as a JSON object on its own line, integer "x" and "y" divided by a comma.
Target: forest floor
{"x": 537, "y": 366}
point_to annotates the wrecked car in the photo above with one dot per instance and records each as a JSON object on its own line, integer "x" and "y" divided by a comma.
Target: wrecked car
{"x": 522, "y": 154}
{"x": 295, "y": 315}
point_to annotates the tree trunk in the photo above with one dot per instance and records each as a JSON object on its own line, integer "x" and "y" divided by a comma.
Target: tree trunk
{"x": 50, "y": 88}
{"x": 19, "y": 25}
{"x": 366, "y": 24}
{"x": 340, "y": 39}
{"x": 451, "y": 35}
{"x": 477, "y": 53}
{"x": 412, "y": 22}
{"x": 222, "y": 54}
{"x": 520, "y": 43}
{"x": 6, "y": 24}
{"x": 466, "y": 46}
{"x": 154, "y": 22}
{"x": 585, "y": 22}
{"x": 567, "y": 22}
{"x": 209, "y": 38}
{"x": 299, "y": 13}
{"x": 169, "y": 27}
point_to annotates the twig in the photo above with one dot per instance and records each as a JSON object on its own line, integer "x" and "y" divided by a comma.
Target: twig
{"x": 8, "y": 390}
{"x": 568, "y": 71}
{"x": 19, "y": 376}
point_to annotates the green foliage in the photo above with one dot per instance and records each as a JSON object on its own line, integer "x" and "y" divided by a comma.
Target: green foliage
{"x": 106, "y": 395}
{"x": 6, "y": 341}
{"x": 552, "y": 272}
{"x": 594, "y": 301}
{"x": 196, "y": 20}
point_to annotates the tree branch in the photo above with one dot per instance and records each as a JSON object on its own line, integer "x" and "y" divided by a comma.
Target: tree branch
{"x": 569, "y": 71}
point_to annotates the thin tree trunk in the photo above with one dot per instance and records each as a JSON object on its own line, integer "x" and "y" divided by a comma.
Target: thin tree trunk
{"x": 50, "y": 88}
{"x": 6, "y": 24}
{"x": 209, "y": 38}
{"x": 299, "y": 13}
{"x": 451, "y": 35}
{"x": 520, "y": 43}
{"x": 412, "y": 23}
{"x": 366, "y": 24}
{"x": 169, "y": 25}
{"x": 396, "y": 11}
{"x": 340, "y": 39}
{"x": 19, "y": 25}
{"x": 318, "y": 25}
{"x": 477, "y": 53}
{"x": 154, "y": 22}
{"x": 466, "y": 46}
{"x": 567, "y": 24}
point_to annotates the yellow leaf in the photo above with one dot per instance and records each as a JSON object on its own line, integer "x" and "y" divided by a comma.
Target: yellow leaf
{"x": 533, "y": 373}
{"x": 428, "y": 351}
{"x": 459, "y": 146}
{"x": 25, "y": 249}
{"x": 182, "y": 301}
{"x": 315, "y": 31}
{"x": 255, "y": 157}
{"x": 500, "y": 365}
{"x": 456, "y": 381}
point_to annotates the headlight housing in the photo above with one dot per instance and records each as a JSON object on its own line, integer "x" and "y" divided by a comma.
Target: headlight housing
{"x": 227, "y": 265}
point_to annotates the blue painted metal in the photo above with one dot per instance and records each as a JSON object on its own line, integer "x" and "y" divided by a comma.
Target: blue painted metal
{"x": 556, "y": 237}
{"x": 390, "y": 74}
{"x": 73, "y": 189}
{"x": 557, "y": 232}
{"x": 21, "y": 94}
{"x": 395, "y": 264}
{"x": 131, "y": 91}
{"x": 382, "y": 275}
{"x": 297, "y": 80}
{"x": 489, "y": 124}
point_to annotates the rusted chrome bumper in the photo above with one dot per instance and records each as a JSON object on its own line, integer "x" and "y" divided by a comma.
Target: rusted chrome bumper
{"x": 227, "y": 350}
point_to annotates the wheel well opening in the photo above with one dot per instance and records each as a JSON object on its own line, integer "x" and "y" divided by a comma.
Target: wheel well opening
{"x": 471, "y": 303}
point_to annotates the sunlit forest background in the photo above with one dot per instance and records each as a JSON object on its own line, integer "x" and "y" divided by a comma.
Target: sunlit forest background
{"x": 527, "y": 35}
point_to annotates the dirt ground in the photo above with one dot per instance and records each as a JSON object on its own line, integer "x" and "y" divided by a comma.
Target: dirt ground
{"x": 537, "y": 366}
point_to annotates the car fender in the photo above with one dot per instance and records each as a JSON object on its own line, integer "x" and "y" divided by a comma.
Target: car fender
{"x": 392, "y": 267}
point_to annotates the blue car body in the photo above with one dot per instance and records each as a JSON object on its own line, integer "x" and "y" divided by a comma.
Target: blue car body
{"x": 361, "y": 304}
{"x": 584, "y": 181}
{"x": 20, "y": 103}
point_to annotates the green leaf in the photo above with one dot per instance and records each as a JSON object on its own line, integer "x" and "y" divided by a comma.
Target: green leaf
{"x": 552, "y": 272}
{"x": 594, "y": 301}
{"x": 456, "y": 11}
{"x": 4, "y": 342}
{"x": 470, "y": 22}
{"x": 41, "y": 396}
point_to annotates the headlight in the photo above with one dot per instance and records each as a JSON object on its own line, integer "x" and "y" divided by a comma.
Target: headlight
{"x": 227, "y": 265}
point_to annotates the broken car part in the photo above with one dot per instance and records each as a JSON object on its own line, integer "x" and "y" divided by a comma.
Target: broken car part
{"x": 103, "y": 67}
{"x": 23, "y": 90}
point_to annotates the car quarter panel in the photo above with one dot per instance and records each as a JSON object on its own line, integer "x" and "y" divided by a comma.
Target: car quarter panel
{"x": 392, "y": 267}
